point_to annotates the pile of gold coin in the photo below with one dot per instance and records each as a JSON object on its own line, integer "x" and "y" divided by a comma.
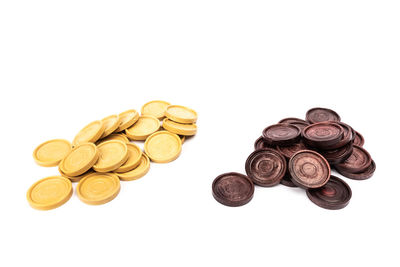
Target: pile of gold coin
{"x": 103, "y": 153}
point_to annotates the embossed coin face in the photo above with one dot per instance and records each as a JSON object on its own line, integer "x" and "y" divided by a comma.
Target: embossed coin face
{"x": 261, "y": 143}
{"x": 360, "y": 175}
{"x": 233, "y": 189}
{"x": 358, "y": 161}
{"x": 315, "y": 115}
{"x": 346, "y": 138}
{"x": 289, "y": 151}
{"x": 323, "y": 134}
{"x": 358, "y": 139}
{"x": 309, "y": 169}
{"x": 281, "y": 134}
{"x": 334, "y": 195}
{"x": 266, "y": 167}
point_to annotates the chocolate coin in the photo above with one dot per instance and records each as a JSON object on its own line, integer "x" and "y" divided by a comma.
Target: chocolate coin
{"x": 315, "y": 115}
{"x": 360, "y": 175}
{"x": 358, "y": 161}
{"x": 309, "y": 169}
{"x": 261, "y": 143}
{"x": 334, "y": 195}
{"x": 281, "y": 134}
{"x": 338, "y": 155}
{"x": 323, "y": 134}
{"x": 233, "y": 189}
{"x": 266, "y": 167}
{"x": 289, "y": 151}
{"x": 359, "y": 139}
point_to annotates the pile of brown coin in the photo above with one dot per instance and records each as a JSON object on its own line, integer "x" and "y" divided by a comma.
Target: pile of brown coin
{"x": 301, "y": 153}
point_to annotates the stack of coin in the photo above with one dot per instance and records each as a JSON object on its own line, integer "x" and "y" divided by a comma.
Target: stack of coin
{"x": 301, "y": 153}
{"x": 102, "y": 154}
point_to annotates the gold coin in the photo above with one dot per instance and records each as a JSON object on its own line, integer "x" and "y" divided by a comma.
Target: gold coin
{"x": 111, "y": 123}
{"x": 79, "y": 160}
{"x": 179, "y": 128}
{"x": 134, "y": 156}
{"x": 155, "y": 108}
{"x": 163, "y": 146}
{"x": 50, "y": 153}
{"x": 98, "y": 188}
{"x": 138, "y": 172}
{"x": 181, "y": 114}
{"x": 144, "y": 127}
{"x": 112, "y": 155}
{"x": 128, "y": 118}
{"x": 90, "y": 133}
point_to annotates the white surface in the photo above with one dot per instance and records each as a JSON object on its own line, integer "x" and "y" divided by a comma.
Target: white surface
{"x": 242, "y": 65}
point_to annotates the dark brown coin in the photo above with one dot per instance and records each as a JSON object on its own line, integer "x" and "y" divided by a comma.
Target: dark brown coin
{"x": 261, "y": 143}
{"x": 287, "y": 180}
{"x": 323, "y": 134}
{"x": 338, "y": 155}
{"x": 315, "y": 115}
{"x": 359, "y": 139}
{"x": 233, "y": 189}
{"x": 309, "y": 169}
{"x": 289, "y": 151}
{"x": 360, "y": 175}
{"x": 291, "y": 120}
{"x": 334, "y": 195}
{"x": 300, "y": 124}
{"x": 282, "y": 134}
{"x": 266, "y": 167}
{"x": 358, "y": 161}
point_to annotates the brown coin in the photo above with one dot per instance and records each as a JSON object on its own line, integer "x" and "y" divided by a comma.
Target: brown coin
{"x": 266, "y": 167}
{"x": 338, "y": 155}
{"x": 300, "y": 124}
{"x": 315, "y": 115}
{"x": 322, "y": 134}
{"x": 334, "y": 195}
{"x": 347, "y": 137}
{"x": 261, "y": 143}
{"x": 289, "y": 151}
{"x": 291, "y": 120}
{"x": 360, "y": 175}
{"x": 309, "y": 169}
{"x": 281, "y": 134}
{"x": 359, "y": 139}
{"x": 358, "y": 161}
{"x": 233, "y": 189}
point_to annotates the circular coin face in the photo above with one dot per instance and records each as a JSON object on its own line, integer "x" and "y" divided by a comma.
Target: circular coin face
{"x": 143, "y": 128}
{"x": 358, "y": 161}
{"x": 51, "y": 153}
{"x": 79, "y": 160}
{"x": 181, "y": 114}
{"x": 360, "y": 175}
{"x": 49, "y": 193}
{"x": 335, "y": 194}
{"x": 111, "y": 123}
{"x": 281, "y": 134}
{"x": 179, "y": 128}
{"x": 112, "y": 155}
{"x": 233, "y": 189}
{"x": 323, "y": 134}
{"x": 137, "y": 172}
{"x": 155, "y": 108}
{"x": 266, "y": 167}
{"x": 98, "y": 188}
{"x": 163, "y": 147}
{"x": 315, "y": 115}
{"x": 90, "y": 133}
{"x": 127, "y": 119}
{"x": 309, "y": 169}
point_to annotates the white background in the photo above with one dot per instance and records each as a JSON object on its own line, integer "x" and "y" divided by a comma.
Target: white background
{"x": 242, "y": 65}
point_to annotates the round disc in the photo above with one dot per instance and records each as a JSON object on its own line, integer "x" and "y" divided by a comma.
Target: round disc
{"x": 138, "y": 172}
{"x": 155, "y": 108}
{"x": 315, "y": 115}
{"x": 291, "y": 120}
{"x": 261, "y": 143}
{"x": 112, "y": 155}
{"x": 181, "y": 114}
{"x": 360, "y": 175}
{"x": 266, "y": 167}
{"x": 98, "y": 188}
{"x": 233, "y": 189}
{"x": 127, "y": 119}
{"x": 49, "y": 193}
{"x": 289, "y": 151}
{"x": 134, "y": 156}
{"x": 179, "y": 128}
{"x": 346, "y": 138}
{"x": 338, "y": 155}
{"x": 50, "y": 153}
{"x": 80, "y": 159}
{"x": 163, "y": 146}
{"x": 334, "y": 195}
{"x": 358, "y": 140}
{"x": 120, "y": 137}
{"x": 309, "y": 169}
{"x": 111, "y": 123}
{"x": 281, "y": 134}
{"x": 90, "y": 133}
{"x": 323, "y": 134}
{"x": 143, "y": 128}
{"x": 358, "y": 161}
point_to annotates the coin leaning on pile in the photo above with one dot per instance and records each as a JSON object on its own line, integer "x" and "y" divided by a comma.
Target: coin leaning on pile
{"x": 300, "y": 153}
{"x": 103, "y": 153}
